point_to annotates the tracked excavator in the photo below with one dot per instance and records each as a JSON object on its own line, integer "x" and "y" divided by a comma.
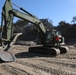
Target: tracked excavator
{"x": 50, "y": 40}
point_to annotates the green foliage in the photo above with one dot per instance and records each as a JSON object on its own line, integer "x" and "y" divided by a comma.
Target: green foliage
{"x": 74, "y": 20}
{"x": 47, "y": 23}
{"x": 29, "y": 30}
{"x": 67, "y": 30}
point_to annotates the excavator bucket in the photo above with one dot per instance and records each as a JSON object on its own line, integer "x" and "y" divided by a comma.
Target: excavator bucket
{"x": 7, "y": 56}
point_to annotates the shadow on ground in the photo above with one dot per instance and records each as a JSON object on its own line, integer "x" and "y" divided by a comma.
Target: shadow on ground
{"x": 31, "y": 55}
{"x": 1, "y": 61}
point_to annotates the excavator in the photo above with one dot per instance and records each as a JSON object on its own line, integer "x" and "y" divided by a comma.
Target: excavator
{"x": 50, "y": 41}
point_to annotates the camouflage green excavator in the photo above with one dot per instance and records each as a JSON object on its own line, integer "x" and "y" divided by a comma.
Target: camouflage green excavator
{"x": 50, "y": 41}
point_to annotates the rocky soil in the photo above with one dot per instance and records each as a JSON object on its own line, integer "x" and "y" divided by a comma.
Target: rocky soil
{"x": 38, "y": 64}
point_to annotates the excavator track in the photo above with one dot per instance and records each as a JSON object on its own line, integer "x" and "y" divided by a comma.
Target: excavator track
{"x": 49, "y": 50}
{"x": 45, "y": 50}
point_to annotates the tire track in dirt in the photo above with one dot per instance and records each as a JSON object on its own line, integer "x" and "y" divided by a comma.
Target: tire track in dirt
{"x": 48, "y": 67}
{"x": 63, "y": 62}
{"x": 19, "y": 69}
{"x": 33, "y": 68}
{"x": 10, "y": 70}
{"x": 3, "y": 71}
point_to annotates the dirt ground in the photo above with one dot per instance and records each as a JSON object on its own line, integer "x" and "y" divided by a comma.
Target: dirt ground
{"x": 38, "y": 64}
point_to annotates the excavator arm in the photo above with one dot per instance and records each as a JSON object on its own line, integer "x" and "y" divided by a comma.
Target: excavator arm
{"x": 31, "y": 19}
{"x": 9, "y": 13}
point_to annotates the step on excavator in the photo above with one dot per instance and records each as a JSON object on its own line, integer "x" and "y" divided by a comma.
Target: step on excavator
{"x": 51, "y": 42}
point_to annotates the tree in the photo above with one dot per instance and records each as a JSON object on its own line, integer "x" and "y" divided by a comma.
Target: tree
{"x": 63, "y": 27}
{"x": 47, "y": 23}
{"x": 74, "y": 20}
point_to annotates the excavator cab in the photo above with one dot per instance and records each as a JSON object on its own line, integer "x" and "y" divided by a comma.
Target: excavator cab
{"x": 53, "y": 37}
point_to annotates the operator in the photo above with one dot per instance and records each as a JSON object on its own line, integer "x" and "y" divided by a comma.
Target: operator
{"x": 57, "y": 40}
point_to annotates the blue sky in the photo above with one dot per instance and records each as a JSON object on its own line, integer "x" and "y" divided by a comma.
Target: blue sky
{"x": 56, "y": 10}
